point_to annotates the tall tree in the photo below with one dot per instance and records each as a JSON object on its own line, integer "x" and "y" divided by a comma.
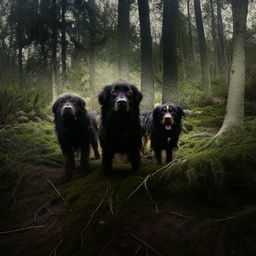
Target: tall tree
{"x": 123, "y": 38}
{"x": 234, "y": 117}
{"x": 205, "y": 67}
{"x": 147, "y": 77}
{"x": 63, "y": 40}
{"x": 170, "y": 90}
{"x": 214, "y": 39}
{"x": 54, "y": 25}
{"x": 223, "y": 60}
{"x": 191, "y": 41}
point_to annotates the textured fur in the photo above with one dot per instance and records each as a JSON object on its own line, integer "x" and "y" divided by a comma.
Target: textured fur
{"x": 163, "y": 126}
{"x": 120, "y": 130}
{"x": 76, "y": 129}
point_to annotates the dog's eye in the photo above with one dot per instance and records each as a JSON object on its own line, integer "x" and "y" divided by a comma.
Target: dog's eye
{"x": 114, "y": 93}
{"x": 128, "y": 93}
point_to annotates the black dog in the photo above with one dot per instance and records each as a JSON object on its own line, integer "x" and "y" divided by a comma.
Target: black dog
{"x": 120, "y": 130}
{"x": 163, "y": 126}
{"x": 76, "y": 129}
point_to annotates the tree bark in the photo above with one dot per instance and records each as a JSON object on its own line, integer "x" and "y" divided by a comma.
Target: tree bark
{"x": 191, "y": 41}
{"x": 63, "y": 40}
{"x": 223, "y": 54}
{"x": 234, "y": 117}
{"x": 214, "y": 40}
{"x": 205, "y": 68}
{"x": 123, "y": 38}
{"x": 170, "y": 90}
{"x": 54, "y": 48}
{"x": 147, "y": 77}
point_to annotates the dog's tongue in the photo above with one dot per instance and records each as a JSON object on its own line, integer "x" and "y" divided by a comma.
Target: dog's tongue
{"x": 168, "y": 127}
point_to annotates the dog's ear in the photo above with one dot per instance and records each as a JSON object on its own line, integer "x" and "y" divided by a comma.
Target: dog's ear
{"x": 180, "y": 111}
{"x": 104, "y": 94}
{"x": 81, "y": 102}
{"x": 55, "y": 106}
{"x": 137, "y": 95}
{"x": 156, "y": 112}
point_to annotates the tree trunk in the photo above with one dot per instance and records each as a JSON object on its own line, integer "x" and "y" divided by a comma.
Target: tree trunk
{"x": 63, "y": 40}
{"x": 191, "y": 41}
{"x": 170, "y": 90}
{"x": 147, "y": 77}
{"x": 234, "y": 117}
{"x": 54, "y": 48}
{"x": 223, "y": 54}
{"x": 214, "y": 41}
{"x": 205, "y": 69}
{"x": 92, "y": 30}
{"x": 123, "y": 38}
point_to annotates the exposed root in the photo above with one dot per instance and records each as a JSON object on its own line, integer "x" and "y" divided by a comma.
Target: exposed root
{"x": 147, "y": 245}
{"x": 54, "y": 251}
{"x": 58, "y": 192}
{"x": 91, "y": 218}
{"x": 20, "y": 229}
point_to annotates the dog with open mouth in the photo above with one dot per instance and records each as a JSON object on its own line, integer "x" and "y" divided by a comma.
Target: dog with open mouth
{"x": 163, "y": 126}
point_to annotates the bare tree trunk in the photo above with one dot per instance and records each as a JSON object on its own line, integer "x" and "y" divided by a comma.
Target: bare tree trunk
{"x": 54, "y": 48}
{"x": 214, "y": 41}
{"x": 205, "y": 68}
{"x": 92, "y": 30}
{"x": 191, "y": 41}
{"x": 147, "y": 77}
{"x": 234, "y": 117}
{"x": 63, "y": 40}
{"x": 123, "y": 38}
{"x": 223, "y": 54}
{"x": 170, "y": 90}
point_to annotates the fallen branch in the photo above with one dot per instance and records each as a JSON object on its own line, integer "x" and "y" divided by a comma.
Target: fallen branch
{"x": 149, "y": 176}
{"x": 142, "y": 242}
{"x": 5, "y": 128}
{"x": 58, "y": 192}
{"x": 91, "y": 218}
{"x": 20, "y": 229}
{"x": 181, "y": 215}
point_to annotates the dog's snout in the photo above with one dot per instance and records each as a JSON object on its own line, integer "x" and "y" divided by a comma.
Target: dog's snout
{"x": 122, "y": 102}
{"x": 67, "y": 106}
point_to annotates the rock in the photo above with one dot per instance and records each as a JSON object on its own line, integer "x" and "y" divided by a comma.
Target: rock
{"x": 31, "y": 114}
{"x": 187, "y": 112}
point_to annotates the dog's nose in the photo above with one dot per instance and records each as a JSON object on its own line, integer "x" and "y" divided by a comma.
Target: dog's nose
{"x": 67, "y": 107}
{"x": 122, "y": 102}
{"x": 168, "y": 118}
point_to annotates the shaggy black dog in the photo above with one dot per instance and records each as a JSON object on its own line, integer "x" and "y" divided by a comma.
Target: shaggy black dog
{"x": 120, "y": 130}
{"x": 76, "y": 129}
{"x": 163, "y": 126}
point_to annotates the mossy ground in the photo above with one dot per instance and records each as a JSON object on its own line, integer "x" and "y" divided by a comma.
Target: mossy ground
{"x": 202, "y": 205}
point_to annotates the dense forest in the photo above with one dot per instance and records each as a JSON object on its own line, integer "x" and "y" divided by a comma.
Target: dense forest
{"x": 198, "y": 54}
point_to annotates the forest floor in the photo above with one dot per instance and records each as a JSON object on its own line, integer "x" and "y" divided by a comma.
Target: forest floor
{"x": 201, "y": 204}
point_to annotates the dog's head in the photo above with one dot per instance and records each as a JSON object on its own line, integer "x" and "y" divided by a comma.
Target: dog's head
{"x": 68, "y": 106}
{"x": 120, "y": 97}
{"x": 168, "y": 115}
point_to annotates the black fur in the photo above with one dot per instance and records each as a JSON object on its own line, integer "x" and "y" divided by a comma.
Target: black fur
{"x": 120, "y": 124}
{"x": 163, "y": 126}
{"x": 76, "y": 129}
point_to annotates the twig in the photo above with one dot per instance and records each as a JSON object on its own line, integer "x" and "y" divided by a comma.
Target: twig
{"x": 224, "y": 219}
{"x": 54, "y": 251}
{"x": 149, "y": 176}
{"x": 91, "y": 218}
{"x": 142, "y": 242}
{"x": 20, "y": 229}
{"x": 180, "y": 215}
{"x": 138, "y": 249}
{"x": 58, "y": 192}
{"x": 4, "y": 128}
